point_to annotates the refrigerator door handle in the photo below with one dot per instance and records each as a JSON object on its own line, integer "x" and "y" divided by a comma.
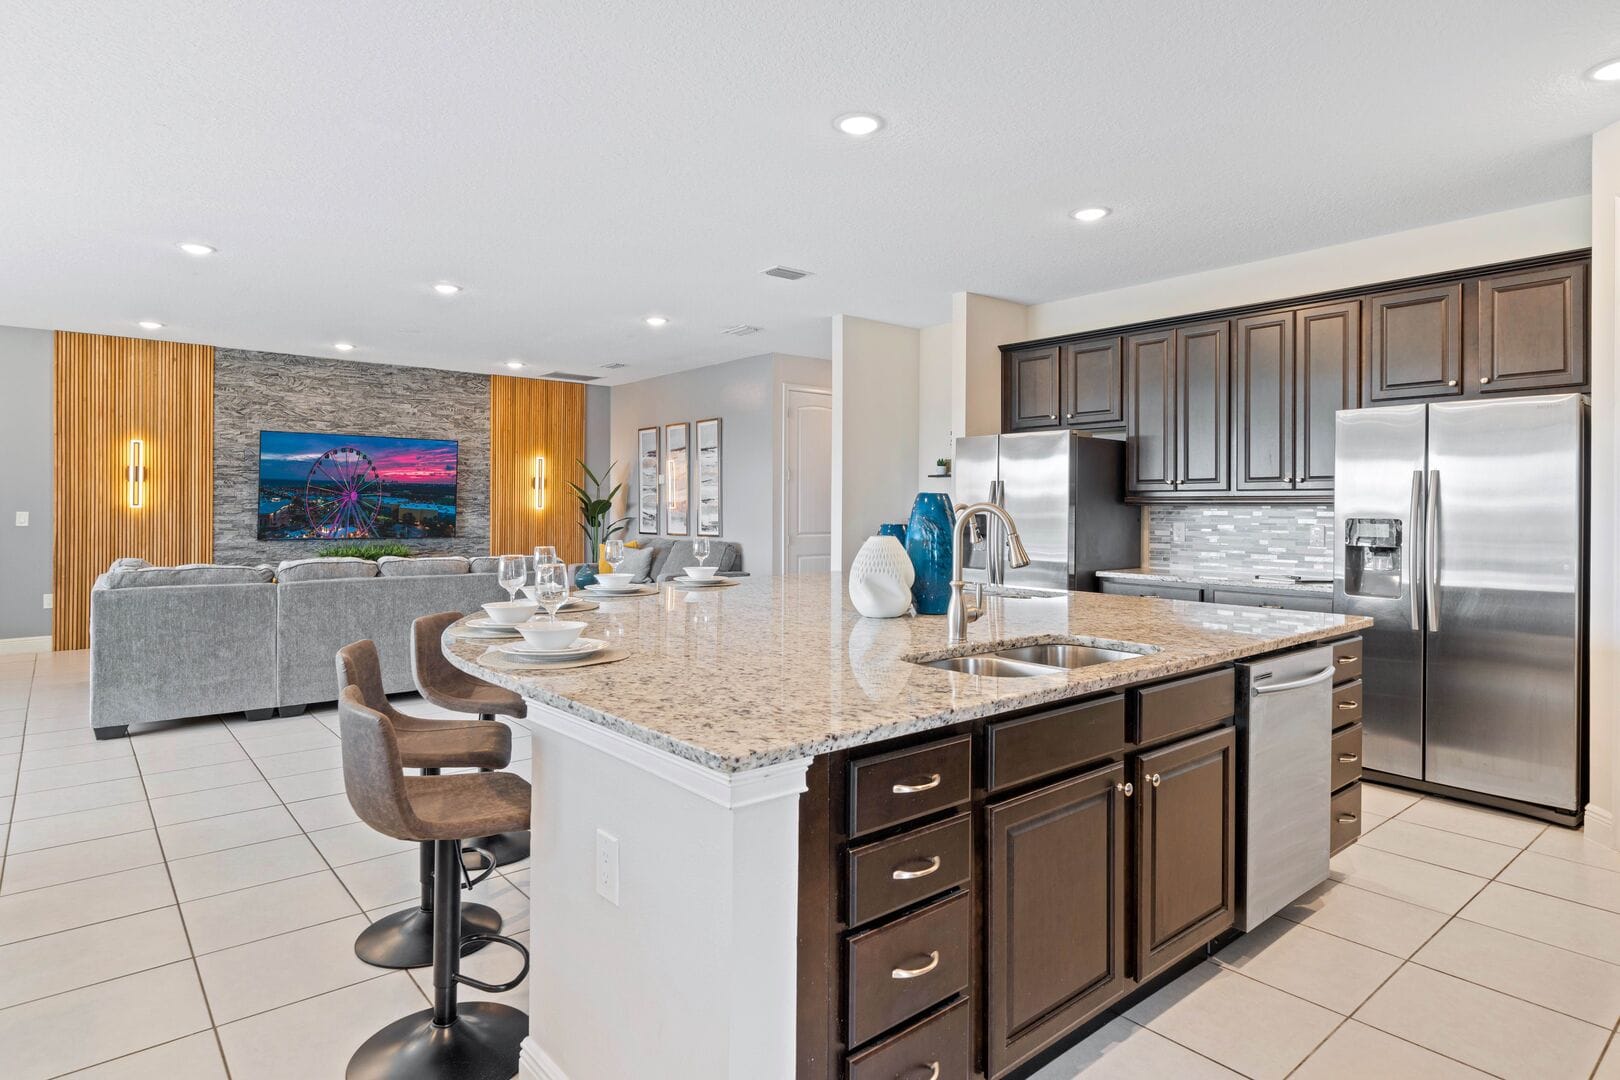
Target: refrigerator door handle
{"x": 1431, "y": 551}
{"x": 1414, "y": 546}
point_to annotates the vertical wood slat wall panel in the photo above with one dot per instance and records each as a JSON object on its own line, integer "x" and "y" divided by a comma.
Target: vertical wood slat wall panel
{"x": 529, "y": 417}
{"x": 109, "y": 390}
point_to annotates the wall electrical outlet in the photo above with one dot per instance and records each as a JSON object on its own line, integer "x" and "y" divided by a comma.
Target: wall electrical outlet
{"x": 1178, "y": 532}
{"x": 1319, "y": 536}
{"x": 607, "y": 867}
{"x": 22, "y": 517}
{"x": 50, "y": 601}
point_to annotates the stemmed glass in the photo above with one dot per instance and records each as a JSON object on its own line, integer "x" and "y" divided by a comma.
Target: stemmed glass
{"x": 551, "y": 586}
{"x": 510, "y": 572}
{"x": 700, "y": 548}
{"x": 613, "y": 552}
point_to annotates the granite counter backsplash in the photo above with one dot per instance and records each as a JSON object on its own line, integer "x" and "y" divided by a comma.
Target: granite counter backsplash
{"x": 1241, "y": 541}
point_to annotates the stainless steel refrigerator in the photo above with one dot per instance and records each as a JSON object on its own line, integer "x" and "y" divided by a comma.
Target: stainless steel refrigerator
{"x": 1462, "y": 532}
{"x": 1065, "y": 491}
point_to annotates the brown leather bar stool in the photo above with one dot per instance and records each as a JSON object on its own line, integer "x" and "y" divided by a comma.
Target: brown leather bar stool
{"x": 474, "y": 1041}
{"x": 448, "y": 687}
{"x": 405, "y": 938}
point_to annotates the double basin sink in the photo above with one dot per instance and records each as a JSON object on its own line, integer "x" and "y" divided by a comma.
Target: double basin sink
{"x": 1027, "y": 660}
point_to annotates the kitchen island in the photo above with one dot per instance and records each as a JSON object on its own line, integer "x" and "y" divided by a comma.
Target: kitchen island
{"x": 694, "y": 805}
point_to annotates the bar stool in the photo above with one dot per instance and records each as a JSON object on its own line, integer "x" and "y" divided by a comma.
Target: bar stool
{"x": 405, "y": 938}
{"x": 474, "y": 1041}
{"x": 448, "y": 687}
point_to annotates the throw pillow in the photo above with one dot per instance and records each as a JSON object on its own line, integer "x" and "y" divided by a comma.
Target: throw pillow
{"x": 421, "y": 565}
{"x": 637, "y": 562}
{"x": 325, "y": 569}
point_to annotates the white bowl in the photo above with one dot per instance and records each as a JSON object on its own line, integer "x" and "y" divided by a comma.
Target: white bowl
{"x": 700, "y": 573}
{"x": 551, "y": 635}
{"x": 615, "y": 581}
{"x": 511, "y": 612}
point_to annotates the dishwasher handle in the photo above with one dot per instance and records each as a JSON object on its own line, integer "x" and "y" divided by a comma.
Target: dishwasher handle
{"x": 1277, "y": 688}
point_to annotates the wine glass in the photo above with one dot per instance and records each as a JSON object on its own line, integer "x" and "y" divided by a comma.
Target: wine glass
{"x": 551, "y": 586}
{"x": 613, "y": 552}
{"x": 510, "y": 572}
{"x": 544, "y": 553}
{"x": 700, "y": 548}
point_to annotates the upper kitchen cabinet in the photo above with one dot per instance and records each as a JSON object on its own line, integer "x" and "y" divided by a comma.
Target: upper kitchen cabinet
{"x": 1203, "y": 407}
{"x": 1532, "y": 330}
{"x": 1263, "y": 401}
{"x": 1414, "y": 344}
{"x": 1092, "y": 380}
{"x": 1030, "y": 388}
{"x": 1150, "y": 412}
{"x": 1327, "y": 378}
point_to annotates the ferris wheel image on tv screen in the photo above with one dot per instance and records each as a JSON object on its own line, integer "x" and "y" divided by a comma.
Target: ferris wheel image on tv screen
{"x": 355, "y": 487}
{"x": 342, "y": 495}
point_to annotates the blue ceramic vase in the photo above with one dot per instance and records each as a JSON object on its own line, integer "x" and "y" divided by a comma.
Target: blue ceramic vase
{"x": 898, "y": 531}
{"x": 928, "y": 543}
{"x": 585, "y": 575}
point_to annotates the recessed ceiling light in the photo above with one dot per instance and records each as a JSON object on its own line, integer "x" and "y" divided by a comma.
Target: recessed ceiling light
{"x": 514, "y": 364}
{"x": 148, "y": 324}
{"x": 655, "y": 320}
{"x": 1609, "y": 72}
{"x": 445, "y": 288}
{"x": 858, "y": 124}
{"x": 1090, "y": 214}
{"x": 193, "y": 248}
{"x": 343, "y": 346}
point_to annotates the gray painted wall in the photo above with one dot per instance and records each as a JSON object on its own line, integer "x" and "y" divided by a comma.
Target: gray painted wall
{"x": 256, "y": 391}
{"x": 747, "y": 397}
{"x": 25, "y": 480}
{"x": 1242, "y": 539}
{"x": 598, "y": 428}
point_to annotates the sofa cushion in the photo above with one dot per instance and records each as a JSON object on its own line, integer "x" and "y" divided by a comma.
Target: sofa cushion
{"x": 638, "y": 562}
{"x": 491, "y": 564}
{"x": 325, "y": 569}
{"x": 129, "y": 564}
{"x": 189, "y": 574}
{"x": 421, "y": 565}
{"x": 723, "y": 556}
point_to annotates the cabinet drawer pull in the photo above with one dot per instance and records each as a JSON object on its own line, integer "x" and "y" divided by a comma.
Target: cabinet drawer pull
{"x": 1153, "y": 779}
{"x": 1341, "y": 661}
{"x": 1128, "y": 789}
{"x": 1483, "y": 379}
{"x": 1451, "y": 382}
{"x": 917, "y": 972}
{"x": 909, "y": 875}
{"x": 1349, "y": 759}
{"x": 933, "y": 1070}
{"x": 1348, "y": 704}
{"x": 1347, "y": 818}
{"x": 911, "y": 789}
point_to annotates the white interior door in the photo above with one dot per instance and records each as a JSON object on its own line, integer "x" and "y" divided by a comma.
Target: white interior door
{"x": 806, "y": 480}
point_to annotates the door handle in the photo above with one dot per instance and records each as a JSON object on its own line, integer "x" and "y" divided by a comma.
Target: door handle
{"x": 1431, "y": 551}
{"x": 1127, "y": 789}
{"x": 1309, "y": 680}
{"x": 1414, "y": 547}
{"x": 917, "y": 972}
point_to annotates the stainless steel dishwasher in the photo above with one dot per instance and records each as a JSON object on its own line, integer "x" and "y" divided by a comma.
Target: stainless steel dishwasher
{"x": 1285, "y": 733}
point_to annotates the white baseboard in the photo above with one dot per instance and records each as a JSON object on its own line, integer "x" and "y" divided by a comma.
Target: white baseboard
{"x": 535, "y": 1064}
{"x": 1600, "y": 825}
{"x": 25, "y": 644}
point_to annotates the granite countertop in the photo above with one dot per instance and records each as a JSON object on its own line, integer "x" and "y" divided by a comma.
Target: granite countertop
{"x": 779, "y": 668}
{"x": 1175, "y": 576}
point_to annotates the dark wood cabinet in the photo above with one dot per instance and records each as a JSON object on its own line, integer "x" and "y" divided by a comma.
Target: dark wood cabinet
{"x": 1186, "y": 888}
{"x": 1030, "y": 389}
{"x": 1263, "y": 402}
{"x": 1203, "y": 407}
{"x": 1414, "y": 344}
{"x": 1150, "y": 420}
{"x": 1327, "y": 378}
{"x": 1055, "y": 911}
{"x": 1532, "y": 330}
{"x": 1091, "y": 378}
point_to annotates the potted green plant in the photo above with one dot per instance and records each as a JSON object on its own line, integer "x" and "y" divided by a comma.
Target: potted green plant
{"x": 594, "y": 508}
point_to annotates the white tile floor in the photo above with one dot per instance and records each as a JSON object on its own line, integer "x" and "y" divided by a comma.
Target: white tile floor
{"x": 184, "y": 903}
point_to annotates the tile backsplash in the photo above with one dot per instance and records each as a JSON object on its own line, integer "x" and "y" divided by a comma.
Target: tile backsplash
{"x": 1242, "y": 539}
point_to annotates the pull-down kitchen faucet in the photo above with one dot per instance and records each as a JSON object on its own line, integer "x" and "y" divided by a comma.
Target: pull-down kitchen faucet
{"x": 959, "y": 614}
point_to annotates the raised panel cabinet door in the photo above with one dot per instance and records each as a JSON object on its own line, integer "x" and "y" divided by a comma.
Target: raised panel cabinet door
{"x": 1054, "y": 912}
{"x": 1150, "y": 403}
{"x": 1263, "y": 402}
{"x": 1414, "y": 344}
{"x": 1032, "y": 388}
{"x": 1093, "y": 381}
{"x": 1204, "y": 407}
{"x": 1532, "y": 330}
{"x": 1327, "y": 378}
{"x": 1186, "y": 891}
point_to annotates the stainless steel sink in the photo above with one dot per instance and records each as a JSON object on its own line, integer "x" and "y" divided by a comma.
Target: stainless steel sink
{"x": 1065, "y": 656}
{"x": 988, "y": 664}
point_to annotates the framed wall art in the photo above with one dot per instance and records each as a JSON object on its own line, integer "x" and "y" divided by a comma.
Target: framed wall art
{"x": 677, "y": 479}
{"x": 647, "y": 470}
{"x": 708, "y": 477}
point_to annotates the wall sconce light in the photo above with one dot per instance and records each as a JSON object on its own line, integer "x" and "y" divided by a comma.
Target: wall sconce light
{"x": 135, "y": 474}
{"x": 539, "y": 482}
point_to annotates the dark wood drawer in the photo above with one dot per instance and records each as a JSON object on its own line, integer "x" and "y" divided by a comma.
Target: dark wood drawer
{"x": 1286, "y": 601}
{"x": 1346, "y": 809}
{"x": 1163, "y": 592}
{"x": 1186, "y": 705}
{"x": 891, "y": 788}
{"x": 892, "y": 874}
{"x": 1051, "y": 742}
{"x": 1346, "y": 704}
{"x": 1346, "y": 660}
{"x": 1346, "y": 756}
{"x": 941, "y": 1046}
{"x": 898, "y": 970}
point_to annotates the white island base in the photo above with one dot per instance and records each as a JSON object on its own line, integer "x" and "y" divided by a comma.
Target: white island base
{"x": 692, "y": 974}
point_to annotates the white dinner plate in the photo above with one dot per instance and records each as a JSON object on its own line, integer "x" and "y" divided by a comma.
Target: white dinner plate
{"x": 485, "y": 623}
{"x": 605, "y": 590}
{"x": 699, "y": 583}
{"x": 581, "y": 648}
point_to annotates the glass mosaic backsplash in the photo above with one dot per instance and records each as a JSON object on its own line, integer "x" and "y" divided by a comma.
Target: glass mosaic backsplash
{"x": 1288, "y": 539}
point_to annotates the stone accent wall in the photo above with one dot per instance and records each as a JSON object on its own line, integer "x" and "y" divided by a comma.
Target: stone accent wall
{"x": 260, "y": 391}
{"x": 1242, "y": 539}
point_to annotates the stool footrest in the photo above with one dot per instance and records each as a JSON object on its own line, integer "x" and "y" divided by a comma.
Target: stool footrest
{"x": 488, "y": 867}
{"x": 499, "y": 939}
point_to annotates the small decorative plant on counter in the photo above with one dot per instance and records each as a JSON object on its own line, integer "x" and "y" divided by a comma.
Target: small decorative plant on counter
{"x": 372, "y": 551}
{"x": 943, "y": 465}
{"x": 594, "y": 508}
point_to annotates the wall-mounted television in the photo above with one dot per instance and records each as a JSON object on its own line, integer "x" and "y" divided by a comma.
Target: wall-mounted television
{"x": 355, "y": 487}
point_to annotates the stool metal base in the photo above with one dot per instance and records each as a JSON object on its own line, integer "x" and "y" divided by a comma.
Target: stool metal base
{"x": 405, "y": 938}
{"x": 509, "y": 849}
{"x": 481, "y": 1044}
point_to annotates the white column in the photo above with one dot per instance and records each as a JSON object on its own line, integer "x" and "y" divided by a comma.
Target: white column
{"x": 692, "y": 974}
{"x": 1604, "y": 603}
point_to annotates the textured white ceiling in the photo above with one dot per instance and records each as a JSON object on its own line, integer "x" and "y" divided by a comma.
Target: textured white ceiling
{"x": 580, "y": 165}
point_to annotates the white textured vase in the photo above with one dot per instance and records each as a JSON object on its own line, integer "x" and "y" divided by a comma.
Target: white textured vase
{"x": 880, "y": 579}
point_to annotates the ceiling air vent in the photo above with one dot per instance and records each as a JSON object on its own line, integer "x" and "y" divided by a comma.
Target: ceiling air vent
{"x": 569, "y": 376}
{"x": 740, "y": 330}
{"x": 786, "y": 273}
{"x": 613, "y": 366}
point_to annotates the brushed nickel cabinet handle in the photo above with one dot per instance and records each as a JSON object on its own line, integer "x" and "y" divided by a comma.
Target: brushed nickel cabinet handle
{"x": 1153, "y": 779}
{"x": 933, "y": 1070}
{"x": 1451, "y": 382}
{"x": 1348, "y": 704}
{"x": 1128, "y": 789}
{"x": 1346, "y": 660}
{"x": 917, "y": 972}
{"x": 911, "y": 789}
{"x": 1347, "y": 818}
{"x": 1349, "y": 759}
{"x": 1483, "y": 379}
{"x": 910, "y": 875}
